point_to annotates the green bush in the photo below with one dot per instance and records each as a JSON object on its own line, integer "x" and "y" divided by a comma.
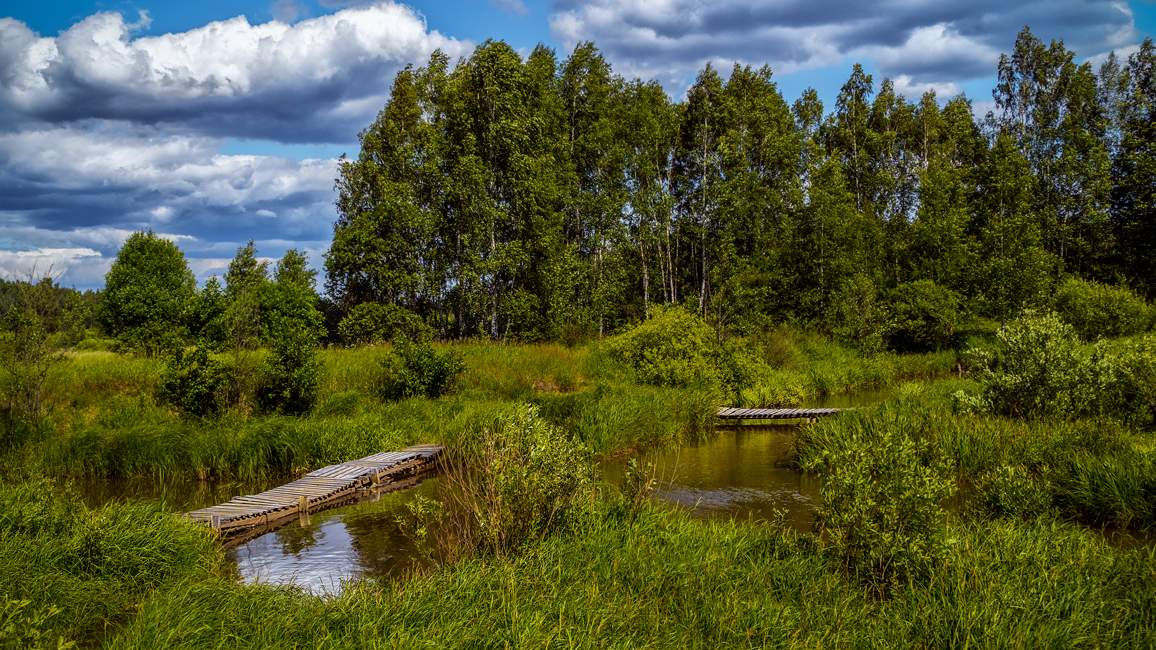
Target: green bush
{"x": 856, "y": 315}
{"x": 1039, "y": 369}
{"x": 923, "y": 317}
{"x": 1125, "y": 380}
{"x": 1099, "y": 310}
{"x": 518, "y": 480}
{"x": 373, "y": 322}
{"x": 417, "y": 369}
{"x": 1012, "y": 491}
{"x": 290, "y": 377}
{"x": 883, "y": 489}
{"x": 195, "y": 383}
{"x": 673, "y": 348}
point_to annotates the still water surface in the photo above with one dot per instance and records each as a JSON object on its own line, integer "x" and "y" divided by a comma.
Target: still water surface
{"x": 741, "y": 473}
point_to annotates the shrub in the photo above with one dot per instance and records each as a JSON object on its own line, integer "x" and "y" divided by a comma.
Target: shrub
{"x": 1125, "y": 380}
{"x": 923, "y": 317}
{"x": 882, "y": 492}
{"x": 1099, "y": 310}
{"x": 1011, "y": 491}
{"x": 1038, "y": 369}
{"x": 521, "y": 479}
{"x": 373, "y": 322}
{"x": 194, "y": 383}
{"x": 673, "y": 348}
{"x": 290, "y": 376}
{"x": 417, "y": 369}
{"x": 857, "y": 316}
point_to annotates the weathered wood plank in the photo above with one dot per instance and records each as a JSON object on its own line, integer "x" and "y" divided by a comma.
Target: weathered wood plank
{"x": 317, "y": 490}
{"x": 733, "y": 413}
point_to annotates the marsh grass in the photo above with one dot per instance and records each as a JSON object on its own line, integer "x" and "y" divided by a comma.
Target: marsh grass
{"x": 81, "y": 571}
{"x": 1094, "y": 471}
{"x": 664, "y": 580}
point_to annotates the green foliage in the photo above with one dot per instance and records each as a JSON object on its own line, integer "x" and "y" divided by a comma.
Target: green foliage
{"x": 291, "y": 303}
{"x": 207, "y": 315}
{"x": 419, "y": 370}
{"x": 290, "y": 376}
{"x": 1012, "y": 491}
{"x": 670, "y": 581}
{"x": 519, "y": 480}
{"x": 923, "y": 316}
{"x": 195, "y": 383}
{"x": 246, "y": 284}
{"x": 147, "y": 294}
{"x": 672, "y": 348}
{"x": 1124, "y": 380}
{"x": 1098, "y": 310}
{"x": 70, "y": 573}
{"x": 857, "y": 315}
{"x": 884, "y": 486}
{"x": 371, "y": 322}
{"x": 36, "y": 321}
{"x": 1039, "y": 369}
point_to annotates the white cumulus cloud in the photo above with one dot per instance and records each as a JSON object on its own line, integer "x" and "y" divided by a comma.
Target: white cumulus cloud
{"x": 276, "y": 80}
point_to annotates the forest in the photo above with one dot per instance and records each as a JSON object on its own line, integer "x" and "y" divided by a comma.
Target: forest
{"x": 561, "y": 276}
{"x": 547, "y": 200}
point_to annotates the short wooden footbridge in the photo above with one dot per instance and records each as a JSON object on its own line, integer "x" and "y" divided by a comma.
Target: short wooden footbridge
{"x": 318, "y": 490}
{"x": 731, "y": 413}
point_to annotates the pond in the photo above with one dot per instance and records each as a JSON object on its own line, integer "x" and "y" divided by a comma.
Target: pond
{"x": 743, "y": 472}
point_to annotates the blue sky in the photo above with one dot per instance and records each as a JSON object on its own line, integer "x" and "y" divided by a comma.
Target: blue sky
{"x": 216, "y": 122}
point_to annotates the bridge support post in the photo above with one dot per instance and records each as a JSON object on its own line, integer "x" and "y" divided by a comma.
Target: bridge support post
{"x": 303, "y": 510}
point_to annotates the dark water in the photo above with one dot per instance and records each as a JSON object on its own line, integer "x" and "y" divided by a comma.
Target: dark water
{"x": 335, "y": 546}
{"x": 741, "y": 473}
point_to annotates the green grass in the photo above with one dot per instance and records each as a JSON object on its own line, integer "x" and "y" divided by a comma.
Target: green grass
{"x": 68, "y": 572}
{"x": 1095, "y": 471}
{"x": 667, "y": 581}
{"x": 105, "y": 420}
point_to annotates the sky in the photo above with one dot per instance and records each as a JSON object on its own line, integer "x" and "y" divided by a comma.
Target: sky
{"x": 214, "y": 122}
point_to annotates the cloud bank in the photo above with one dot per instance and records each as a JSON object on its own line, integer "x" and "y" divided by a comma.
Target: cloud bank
{"x": 318, "y": 80}
{"x": 104, "y": 132}
{"x": 921, "y": 43}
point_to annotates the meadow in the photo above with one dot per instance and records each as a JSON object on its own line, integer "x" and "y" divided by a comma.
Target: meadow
{"x": 1038, "y": 537}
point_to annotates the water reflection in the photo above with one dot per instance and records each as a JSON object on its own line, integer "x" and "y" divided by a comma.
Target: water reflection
{"x": 744, "y": 472}
{"x": 335, "y": 547}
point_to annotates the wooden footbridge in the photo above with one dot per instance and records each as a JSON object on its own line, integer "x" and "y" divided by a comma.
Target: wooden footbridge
{"x": 318, "y": 490}
{"x": 731, "y": 413}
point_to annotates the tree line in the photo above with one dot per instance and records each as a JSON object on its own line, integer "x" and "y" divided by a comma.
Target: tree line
{"x": 538, "y": 199}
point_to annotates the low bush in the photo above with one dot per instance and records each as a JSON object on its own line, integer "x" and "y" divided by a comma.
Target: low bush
{"x": 419, "y": 370}
{"x": 673, "y": 348}
{"x": 883, "y": 490}
{"x": 1099, "y": 310}
{"x": 195, "y": 383}
{"x": 1038, "y": 369}
{"x": 923, "y": 316}
{"x": 1124, "y": 380}
{"x": 517, "y": 480}
{"x": 290, "y": 377}
{"x": 1012, "y": 491}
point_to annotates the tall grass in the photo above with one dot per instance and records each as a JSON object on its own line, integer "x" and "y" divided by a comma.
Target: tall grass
{"x": 70, "y": 573}
{"x": 1091, "y": 470}
{"x": 667, "y": 581}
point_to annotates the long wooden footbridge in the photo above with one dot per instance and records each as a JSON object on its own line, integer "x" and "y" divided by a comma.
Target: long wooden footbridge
{"x": 732, "y": 413}
{"x": 318, "y": 490}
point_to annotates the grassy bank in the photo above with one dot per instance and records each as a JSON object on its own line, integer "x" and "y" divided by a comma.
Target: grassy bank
{"x": 666, "y": 581}
{"x": 104, "y": 418}
{"x": 127, "y": 576}
{"x": 1091, "y": 470}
